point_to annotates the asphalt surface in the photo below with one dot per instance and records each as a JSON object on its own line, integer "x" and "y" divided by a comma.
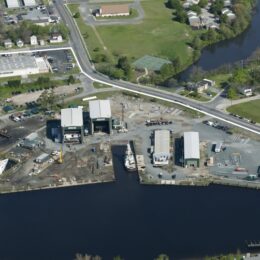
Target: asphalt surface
{"x": 89, "y": 70}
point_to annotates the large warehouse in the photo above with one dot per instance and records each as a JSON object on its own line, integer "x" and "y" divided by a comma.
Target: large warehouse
{"x": 12, "y": 4}
{"x": 161, "y": 154}
{"x": 72, "y": 125}
{"x": 191, "y": 149}
{"x": 100, "y": 116}
{"x": 22, "y": 65}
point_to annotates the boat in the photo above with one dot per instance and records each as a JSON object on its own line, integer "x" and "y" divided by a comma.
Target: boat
{"x": 3, "y": 164}
{"x": 130, "y": 163}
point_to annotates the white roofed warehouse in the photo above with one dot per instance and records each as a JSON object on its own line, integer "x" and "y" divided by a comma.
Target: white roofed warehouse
{"x": 191, "y": 149}
{"x": 161, "y": 154}
{"x": 100, "y": 116}
{"x": 72, "y": 125}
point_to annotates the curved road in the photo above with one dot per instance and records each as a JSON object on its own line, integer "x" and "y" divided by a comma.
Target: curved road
{"x": 89, "y": 71}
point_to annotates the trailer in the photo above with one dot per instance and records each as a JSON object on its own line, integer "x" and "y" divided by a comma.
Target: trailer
{"x": 218, "y": 147}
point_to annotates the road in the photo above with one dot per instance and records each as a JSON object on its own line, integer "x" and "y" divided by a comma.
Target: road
{"x": 89, "y": 71}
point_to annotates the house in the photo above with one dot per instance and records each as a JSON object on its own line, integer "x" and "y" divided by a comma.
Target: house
{"x": 114, "y": 10}
{"x": 33, "y": 40}
{"x": 19, "y": 43}
{"x": 56, "y": 38}
{"x": 201, "y": 86}
{"x": 246, "y": 91}
{"x": 211, "y": 83}
{"x": 12, "y": 4}
{"x": 42, "y": 42}
{"x": 8, "y": 43}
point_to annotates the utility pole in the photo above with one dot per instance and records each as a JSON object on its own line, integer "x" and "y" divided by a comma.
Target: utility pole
{"x": 123, "y": 112}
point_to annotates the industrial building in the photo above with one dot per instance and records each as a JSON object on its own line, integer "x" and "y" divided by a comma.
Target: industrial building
{"x": 100, "y": 116}
{"x": 72, "y": 125}
{"x": 12, "y": 4}
{"x": 22, "y": 65}
{"x": 191, "y": 149}
{"x": 161, "y": 154}
{"x": 29, "y": 2}
{"x": 39, "y": 17}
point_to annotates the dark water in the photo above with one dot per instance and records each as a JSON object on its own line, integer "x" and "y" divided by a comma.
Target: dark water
{"x": 230, "y": 51}
{"x": 126, "y": 218}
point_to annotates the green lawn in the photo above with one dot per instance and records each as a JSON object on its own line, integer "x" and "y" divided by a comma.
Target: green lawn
{"x": 87, "y": 32}
{"x": 157, "y": 35}
{"x": 248, "y": 110}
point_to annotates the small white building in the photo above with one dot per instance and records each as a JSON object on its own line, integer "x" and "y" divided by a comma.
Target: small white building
{"x": 42, "y": 42}
{"x": 161, "y": 154}
{"x": 19, "y": 43}
{"x": 33, "y": 40}
{"x": 8, "y": 43}
{"x": 56, "y": 38}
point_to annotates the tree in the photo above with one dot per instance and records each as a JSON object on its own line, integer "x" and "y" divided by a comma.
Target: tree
{"x": 174, "y": 4}
{"x": 231, "y": 93}
{"x": 203, "y": 3}
{"x": 14, "y": 83}
{"x": 71, "y": 80}
{"x": 162, "y": 257}
{"x": 118, "y": 258}
{"x": 76, "y": 15}
{"x": 196, "y": 43}
{"x": 166, "y": 70}
{"x": 196, "y": 9}
{"x": 181, "y": 16}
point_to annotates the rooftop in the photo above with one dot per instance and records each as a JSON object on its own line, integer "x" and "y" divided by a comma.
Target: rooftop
{"x": 12, "y": 3}
{"x": 114, "y": 9}
{"x": 16, "y": 62}
{"x": 99, "y": 109}
{"x": 36, "y": 15}
{"x": 191, "y": 145}
{"x": 72, "y": 117}
{"x": 161, "y": 141}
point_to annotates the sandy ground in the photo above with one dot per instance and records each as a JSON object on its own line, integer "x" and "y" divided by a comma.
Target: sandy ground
{"x": 33, "y": 96}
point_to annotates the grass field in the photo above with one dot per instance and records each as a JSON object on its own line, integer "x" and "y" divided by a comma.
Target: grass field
{"x": 157, "y": 35}
{"x": 249, "y": 110}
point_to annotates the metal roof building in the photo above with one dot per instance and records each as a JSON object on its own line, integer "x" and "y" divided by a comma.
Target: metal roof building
{"x": 29, "y": 2}
{"x": 12, "y": 4}
{"x": 72, "y": 125}
{"x": 100, "y": 116}
{"x": 99, "y": 109}
{"x": 191, "y": 149}
{"x": 161, "y": 153}
{"x": 72, "y": 117}
{"x": 19, "y": 65}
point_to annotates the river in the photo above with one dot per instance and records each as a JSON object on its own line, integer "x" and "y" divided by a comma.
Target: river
{"x": 229, "y": 51}
{"x": 126, "y": 218}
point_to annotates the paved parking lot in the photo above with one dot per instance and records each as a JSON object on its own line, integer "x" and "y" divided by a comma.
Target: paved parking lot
{"x": 61, "y": 61}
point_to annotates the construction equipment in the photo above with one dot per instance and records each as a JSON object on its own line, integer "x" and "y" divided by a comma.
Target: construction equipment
{"x": 60, "y": 160}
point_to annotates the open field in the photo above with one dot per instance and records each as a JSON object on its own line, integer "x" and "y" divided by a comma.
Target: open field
{"x": 248, "y": 110}
{"x": 157, "y": 35}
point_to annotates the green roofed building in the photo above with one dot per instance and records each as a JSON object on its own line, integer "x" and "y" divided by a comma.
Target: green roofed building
{"x": 150, "y": 63}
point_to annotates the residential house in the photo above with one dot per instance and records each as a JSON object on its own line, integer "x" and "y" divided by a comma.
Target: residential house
{"x": 8, "y": 43}
{"x": 201, "y": 86}
{"x": 56, "y": 38}
{"x": 33, "y": 40}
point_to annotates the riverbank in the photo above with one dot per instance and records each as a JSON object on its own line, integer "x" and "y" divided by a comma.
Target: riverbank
{"x": 106, "y": 50}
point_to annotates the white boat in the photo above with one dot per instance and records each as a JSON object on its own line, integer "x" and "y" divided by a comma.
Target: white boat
{"x": 130, "y": 163}
{"x": 3, "y": 165}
